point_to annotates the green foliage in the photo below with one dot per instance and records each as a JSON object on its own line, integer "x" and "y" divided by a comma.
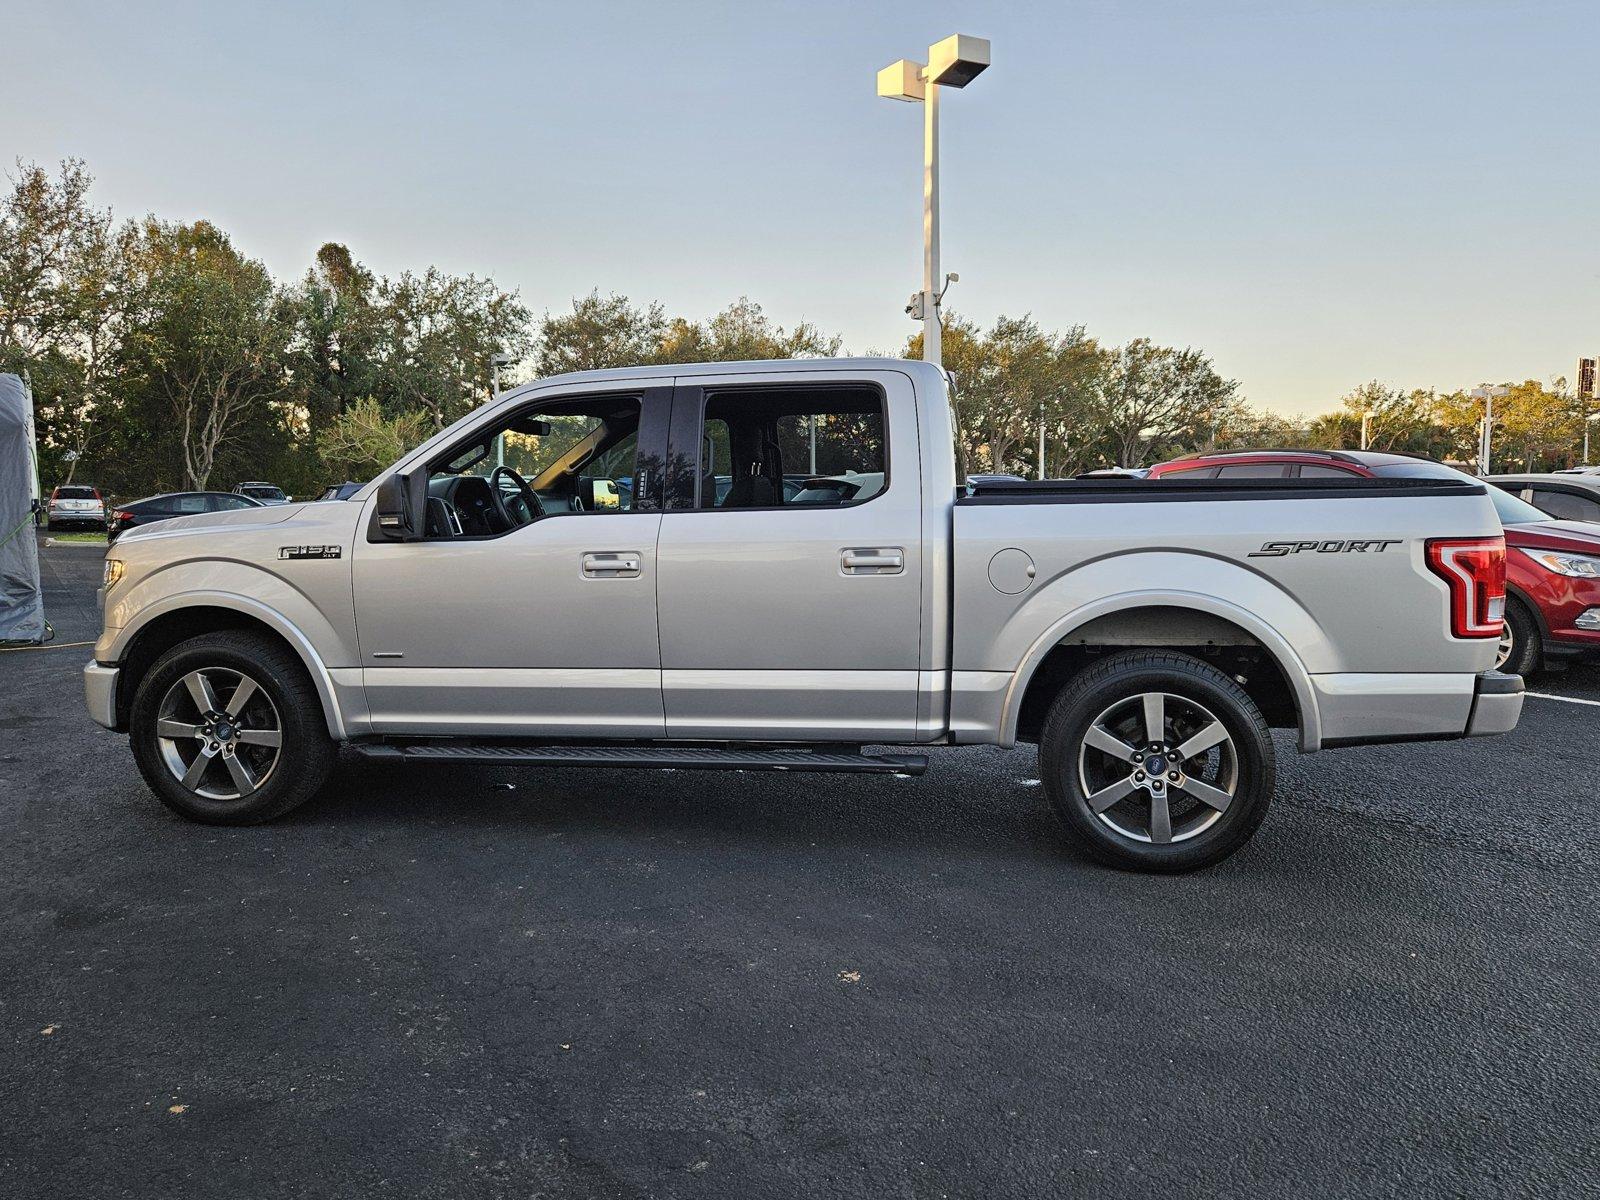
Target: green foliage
{"x": 362, "y": 440}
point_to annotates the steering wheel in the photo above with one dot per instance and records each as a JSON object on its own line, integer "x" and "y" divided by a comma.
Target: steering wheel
{"x": 526, "y": 497}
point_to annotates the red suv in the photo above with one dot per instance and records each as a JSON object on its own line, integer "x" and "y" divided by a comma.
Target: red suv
{"x": 1552, "y": 567}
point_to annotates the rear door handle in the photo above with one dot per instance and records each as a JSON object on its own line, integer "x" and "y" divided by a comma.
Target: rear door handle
{"x": 873, "y": 560}
{"x": 611, "y": 564}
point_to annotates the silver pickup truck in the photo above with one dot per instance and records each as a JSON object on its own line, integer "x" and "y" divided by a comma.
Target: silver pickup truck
{"x": 776, "y": 566}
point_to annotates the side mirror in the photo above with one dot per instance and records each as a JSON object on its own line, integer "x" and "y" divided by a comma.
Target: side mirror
{"x": 604, "y": 494}
{"x": 399, "y": 512}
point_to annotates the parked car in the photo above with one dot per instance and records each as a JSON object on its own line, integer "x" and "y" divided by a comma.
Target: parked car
{"x": 1552, "y": 564}
{"x": 1146, "y": 646}
{"x": 1569, "y": 497}
{"x": 1261, "y": 464}
{"x": 172, "y": 504}
{"x": 267, "y": 493}
{"x": 75, "y": 505}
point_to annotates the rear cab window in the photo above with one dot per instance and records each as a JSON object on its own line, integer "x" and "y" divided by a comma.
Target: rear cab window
{"x": 797, "y": 447}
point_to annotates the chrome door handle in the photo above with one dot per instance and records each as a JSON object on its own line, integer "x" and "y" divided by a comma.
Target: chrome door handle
{"x": 611, "y": 564}
{"x": 876, "y": 560}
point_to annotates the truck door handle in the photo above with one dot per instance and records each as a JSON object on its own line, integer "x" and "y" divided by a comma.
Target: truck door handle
{"x": 611, "y": 564}
{"x": 875, "y": 560}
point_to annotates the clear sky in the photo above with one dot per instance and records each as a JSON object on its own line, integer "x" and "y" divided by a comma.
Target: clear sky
{"x": 1317, "y": 193}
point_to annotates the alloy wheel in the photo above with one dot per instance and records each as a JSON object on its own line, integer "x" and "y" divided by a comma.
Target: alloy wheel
{"x": 219, "y": 733}
{"x": 1158, "y": 767}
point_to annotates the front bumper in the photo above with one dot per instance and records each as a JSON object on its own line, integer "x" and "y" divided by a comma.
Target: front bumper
{"x": 1496, "y": 704}
{"x": 100, "y": 693}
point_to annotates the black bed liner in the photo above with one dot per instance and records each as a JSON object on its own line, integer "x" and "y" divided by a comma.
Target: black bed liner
{"x": 1132, "y": 491}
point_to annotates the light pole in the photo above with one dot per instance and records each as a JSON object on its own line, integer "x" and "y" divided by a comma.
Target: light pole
{"x": 1041, "y": 439}
{"x": 954, "y": 62}
{"x": 1486, "y": 392}
{"x": 497, "y": 361}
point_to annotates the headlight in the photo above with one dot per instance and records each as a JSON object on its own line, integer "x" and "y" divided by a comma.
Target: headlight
{"x": 1580, "y": 566}
{"x": 114, "y": 569}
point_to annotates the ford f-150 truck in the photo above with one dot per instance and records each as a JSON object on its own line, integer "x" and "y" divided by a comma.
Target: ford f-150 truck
{"x": 777, "y": 566}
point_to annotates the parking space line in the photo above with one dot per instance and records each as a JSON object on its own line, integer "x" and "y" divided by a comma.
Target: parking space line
{"x": 52, "y": 646}
{"x": 1563, "y": 699}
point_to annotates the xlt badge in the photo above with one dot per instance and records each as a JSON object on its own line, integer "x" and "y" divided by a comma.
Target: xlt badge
{"x": 1352, "y": 546}
{"x": 309, "y": 551}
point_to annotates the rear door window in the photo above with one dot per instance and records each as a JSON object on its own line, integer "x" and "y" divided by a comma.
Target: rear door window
{"x": 1314, "y": 471}
{"x": 1254, "y": 471}
{"x": 792, "y": 448}
{"x": 1566, "y": 505}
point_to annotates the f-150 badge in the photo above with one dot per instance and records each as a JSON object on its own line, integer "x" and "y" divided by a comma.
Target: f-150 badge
{"x": 1354, "y": 546}
{"x": 309, "y": 551}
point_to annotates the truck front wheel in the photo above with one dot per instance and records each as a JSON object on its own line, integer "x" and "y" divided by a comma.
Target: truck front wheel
{"x": 1157, "y": 761}
{"x": 227, "y": 729}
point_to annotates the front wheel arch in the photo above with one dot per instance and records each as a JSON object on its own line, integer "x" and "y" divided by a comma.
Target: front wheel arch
{"x": 167, "y": 629}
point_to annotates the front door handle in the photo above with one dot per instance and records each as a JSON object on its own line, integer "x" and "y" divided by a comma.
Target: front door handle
{"x": 611, "y": 564}
{"x": 874, "y": 560}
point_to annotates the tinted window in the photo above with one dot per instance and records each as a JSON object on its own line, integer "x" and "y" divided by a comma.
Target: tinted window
{"x": 1253, "y": 471}
{"x": 1192, "y": 473}
{"x": 75, "y": 493}
{"x": 226, "y": 503}
{"x": 805, "y": 447}
{"x": 1566, "y": 505}
{"x": 263, "y": 492}
{"x": 1313, "y": 471}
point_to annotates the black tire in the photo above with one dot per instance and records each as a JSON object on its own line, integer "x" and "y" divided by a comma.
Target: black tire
{"x": 1526, "y": 654}
{"x": 286, "y": 697}
{"x": 1238, "y": 773}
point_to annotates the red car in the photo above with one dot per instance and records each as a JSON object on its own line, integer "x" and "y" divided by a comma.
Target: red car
{"x": 1552, "y": 566}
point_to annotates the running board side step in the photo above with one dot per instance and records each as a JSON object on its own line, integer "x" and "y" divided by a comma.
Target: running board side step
{"x": 682, "y": 758}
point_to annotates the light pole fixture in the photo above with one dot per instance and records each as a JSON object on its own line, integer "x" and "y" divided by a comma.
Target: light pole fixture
{"x": 954, "y": 62}
{"x": 1487, "y": 393}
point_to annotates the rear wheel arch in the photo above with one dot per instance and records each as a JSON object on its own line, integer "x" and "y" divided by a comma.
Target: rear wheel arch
{"x": 1235, "y": 642}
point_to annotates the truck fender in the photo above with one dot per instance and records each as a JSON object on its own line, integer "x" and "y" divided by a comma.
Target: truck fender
{"x": 1294, "y": 670}
{"x": 321, "y": 676}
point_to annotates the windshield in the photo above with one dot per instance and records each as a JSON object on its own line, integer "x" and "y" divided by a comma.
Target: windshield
{"x": 1507, "y": 507}
{"x": 263, "y": 491}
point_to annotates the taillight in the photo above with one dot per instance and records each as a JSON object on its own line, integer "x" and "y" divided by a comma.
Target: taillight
{"x": 122, "y": 514}
{"x": 1475, "y": 569}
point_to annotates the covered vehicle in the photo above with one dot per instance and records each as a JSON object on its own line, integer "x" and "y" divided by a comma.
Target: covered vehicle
{"x": 21, "y": 600}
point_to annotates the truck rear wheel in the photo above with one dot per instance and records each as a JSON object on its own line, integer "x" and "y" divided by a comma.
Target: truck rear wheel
{"x": 1157, "y": 761}
{"x": 228, "y": 729}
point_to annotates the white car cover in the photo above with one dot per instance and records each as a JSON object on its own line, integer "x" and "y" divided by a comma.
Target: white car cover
{"x": 21, "y": 605}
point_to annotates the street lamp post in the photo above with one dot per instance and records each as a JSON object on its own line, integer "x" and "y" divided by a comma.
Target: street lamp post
{"x": 495, "y": 363}
{"x": 954, "y": 62}
{"x": 1487, "y": 393}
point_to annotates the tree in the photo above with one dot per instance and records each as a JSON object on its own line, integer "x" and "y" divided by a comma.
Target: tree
{"x": 440, "y": 332}
{"x": 739, "y": 333}
{"x": 210, "y": 337}
{"x": 1155, "y": 397}
{"x": 600, "y": 332}
{"x": 362, "y": 439}
{"x": 1011, "y": 378}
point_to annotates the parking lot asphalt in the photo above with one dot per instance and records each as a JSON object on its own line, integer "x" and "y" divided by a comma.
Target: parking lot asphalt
{"x": 520, "y": 982}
